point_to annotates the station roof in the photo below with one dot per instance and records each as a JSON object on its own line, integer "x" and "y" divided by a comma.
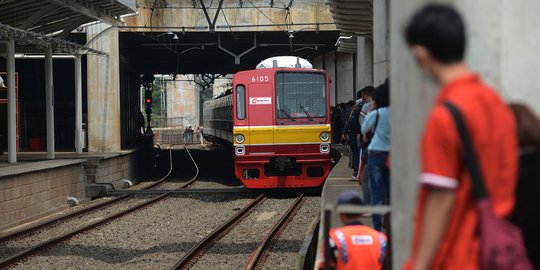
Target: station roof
{"x": 353, "y": 18}
{"x": 51, "y": 21}
{"x": 200, "y": 52}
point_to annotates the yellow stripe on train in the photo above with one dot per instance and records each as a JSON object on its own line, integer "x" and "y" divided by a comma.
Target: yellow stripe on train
{"x": 263, "y": 135}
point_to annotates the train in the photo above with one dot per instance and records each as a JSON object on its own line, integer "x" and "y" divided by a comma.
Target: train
{"x": 277, "y": 118}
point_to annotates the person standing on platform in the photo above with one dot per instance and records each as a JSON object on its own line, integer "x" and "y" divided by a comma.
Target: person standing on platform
{"x": 352, "y": 131}
{"x": 355, "y": 246}
{"x": 362, "y": 166}
{"x": 445, "y": 235}
{"x": 377, "y": 123}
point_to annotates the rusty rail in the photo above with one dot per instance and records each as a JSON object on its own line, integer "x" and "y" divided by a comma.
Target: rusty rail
{"x": 257, "y": 258}
{"x": 195, "y": 252}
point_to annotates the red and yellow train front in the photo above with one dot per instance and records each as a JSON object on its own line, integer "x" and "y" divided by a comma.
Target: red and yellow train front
{"x": 281, "y": 127}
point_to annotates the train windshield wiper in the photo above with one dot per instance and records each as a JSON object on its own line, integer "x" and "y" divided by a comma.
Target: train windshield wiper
{"x": 306, "y": 112}
{"x": 284, "y": 112}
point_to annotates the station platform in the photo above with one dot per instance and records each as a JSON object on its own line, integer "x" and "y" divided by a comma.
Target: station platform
{"x": 36, "y": 186}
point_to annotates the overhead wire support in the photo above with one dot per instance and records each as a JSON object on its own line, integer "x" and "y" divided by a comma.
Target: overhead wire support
{"x": 211, "y": 23}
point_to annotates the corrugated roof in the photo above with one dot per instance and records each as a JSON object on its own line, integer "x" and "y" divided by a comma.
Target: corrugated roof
{"x": 35, "y": 22}
{"x": 50, "y": 16}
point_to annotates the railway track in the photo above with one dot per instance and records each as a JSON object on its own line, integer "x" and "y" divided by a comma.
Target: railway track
{"x": 257, "y": 257}
{"x": 52, "y": 241}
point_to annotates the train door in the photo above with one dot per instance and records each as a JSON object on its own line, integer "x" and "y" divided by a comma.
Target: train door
{"x": 261, "y": 118}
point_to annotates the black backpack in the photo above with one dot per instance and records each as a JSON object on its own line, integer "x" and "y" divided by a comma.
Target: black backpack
{"x": 527, "y": 204}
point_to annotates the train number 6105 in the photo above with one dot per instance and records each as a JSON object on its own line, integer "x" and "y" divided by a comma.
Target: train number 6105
{"x": 260, "y": 79}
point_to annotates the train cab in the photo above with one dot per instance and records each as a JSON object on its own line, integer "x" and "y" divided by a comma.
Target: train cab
{"x": 281, "y": 124}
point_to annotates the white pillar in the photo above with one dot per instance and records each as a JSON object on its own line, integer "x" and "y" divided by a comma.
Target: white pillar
{"x": 364, "y": 62}
{"x": 49, "y": 102}
{"x": 11, "y": 106}
{"x": 78, "y": 105}
{"x": 381, "y": 41}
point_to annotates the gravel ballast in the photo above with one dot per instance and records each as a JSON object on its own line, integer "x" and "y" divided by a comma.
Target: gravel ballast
{"x": 18, "y": 244}
{"x": 233, "y": 250}
{"x": 153, "y": 238}
{"x": 285, "y": 251}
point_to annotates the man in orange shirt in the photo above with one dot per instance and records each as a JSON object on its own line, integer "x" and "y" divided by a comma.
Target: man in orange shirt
{"x": 445, "y": 234}
{"x": 355, "y": 246}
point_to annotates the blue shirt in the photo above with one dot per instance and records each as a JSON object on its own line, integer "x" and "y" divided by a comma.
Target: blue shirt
{"x": 381, "y": 139}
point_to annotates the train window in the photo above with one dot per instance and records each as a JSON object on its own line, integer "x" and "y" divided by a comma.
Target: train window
{"x": 300, "y": 95}
{"x": 241, "y": 102}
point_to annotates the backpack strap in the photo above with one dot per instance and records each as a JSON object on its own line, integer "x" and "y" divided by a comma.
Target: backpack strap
{"x": 478, "y": 188}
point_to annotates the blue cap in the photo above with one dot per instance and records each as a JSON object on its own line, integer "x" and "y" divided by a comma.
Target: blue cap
{"x": 349, "y": 197}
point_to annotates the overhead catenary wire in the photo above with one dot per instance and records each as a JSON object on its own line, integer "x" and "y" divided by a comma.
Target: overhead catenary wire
{"x": 264, "y": 14}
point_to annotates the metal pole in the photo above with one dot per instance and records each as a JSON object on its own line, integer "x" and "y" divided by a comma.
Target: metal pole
{"x": 11, "y": 106}
{"x": 78, "y": 105}
{"x": 326, "y": 240}
{"x": 49, "y": 102}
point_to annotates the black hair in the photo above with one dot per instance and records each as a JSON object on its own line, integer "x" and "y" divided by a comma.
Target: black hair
{"x": 440, "y": 29}
{"x": 381, "y": 95}
{"x": 364, "y": 91}
{"x": 368, "y": 91}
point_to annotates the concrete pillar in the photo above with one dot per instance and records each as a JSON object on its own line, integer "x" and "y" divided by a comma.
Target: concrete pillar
{"x": 364, "y": 62}
{"x": 381, "y": 41}
{"x": 103, "y": 91}
{"x": 11, "y": 106}
{"x": 499, "y": 48}
{"x": 78, "y": 105}
{"x": 49, "y": 102}
{"x": 330, "y": 67}
{"x": 344, "y": 77}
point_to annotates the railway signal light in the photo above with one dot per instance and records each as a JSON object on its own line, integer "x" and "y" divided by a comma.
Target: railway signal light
{"x": 147, "y": 96}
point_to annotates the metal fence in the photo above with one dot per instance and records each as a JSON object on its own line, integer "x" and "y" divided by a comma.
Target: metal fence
{"x": 169, "y": 122}
{"x": 179, "y": 138}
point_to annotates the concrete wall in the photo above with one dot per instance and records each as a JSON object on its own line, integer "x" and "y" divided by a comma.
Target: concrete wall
{"x": 28, "y": 196}
{"x": 103, "y": 90}
{"x": 183, "y": 101}
{"x": 112, "y": 169}
{"x": 302, "y": 11}
{"x": 502, "y": 48}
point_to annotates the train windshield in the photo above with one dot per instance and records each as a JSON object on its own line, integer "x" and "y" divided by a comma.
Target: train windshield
{"x": 300, "y": 95}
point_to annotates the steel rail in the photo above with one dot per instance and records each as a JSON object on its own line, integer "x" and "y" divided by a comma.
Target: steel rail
{"x": 47, "y": 244}
{"x": 190, "y": 257}
{"x": 72, "y": 215}
{"x": 92, "y": 208}
{"x": 256, "y": 258}
{"x": 183, "y": 191}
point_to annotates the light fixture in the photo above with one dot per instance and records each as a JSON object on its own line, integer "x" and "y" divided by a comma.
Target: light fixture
{"x": 175, "y": 36}
{"x": 338, "y": 41}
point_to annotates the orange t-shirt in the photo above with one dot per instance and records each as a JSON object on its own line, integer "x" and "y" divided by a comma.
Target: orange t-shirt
{"x": 493, "y": 132}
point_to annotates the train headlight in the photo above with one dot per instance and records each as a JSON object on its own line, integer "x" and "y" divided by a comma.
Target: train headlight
{"x": 239, "y": 138}
{"x": 324, "y": 136}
